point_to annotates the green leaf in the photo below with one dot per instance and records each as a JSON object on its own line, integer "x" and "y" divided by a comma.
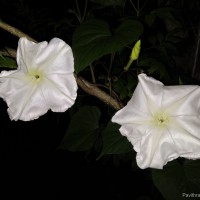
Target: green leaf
{"x": 192, "y": 173}
{"x": 94, "y": 39}
{"x": 177, "y": 179}
{"x": 170, "y": 48}
{"x": 169, "y": 181}
{"x": 82, "y": 130}
{"x": 149, "y": 19}
{"x": 113, "y": 141}
{"x": 125, "y": 87}
{"x": 7, "y": 62}
{"x": 152, "y": 39}
{"x": 110, "y": 2}
{"x": 160, "y": 37}
{"x": 180, "y": 81}
{"x": 167, "y": 13}
{"x": 155, "y": 66}
{"x": 119, "y": 87}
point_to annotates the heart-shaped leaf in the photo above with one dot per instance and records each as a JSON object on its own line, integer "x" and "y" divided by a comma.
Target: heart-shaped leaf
{"x": 82, "y": 130}
{"x": 178, "y": 180}
{"x": 113, "y": 141}
{"x": 94, "y": 39}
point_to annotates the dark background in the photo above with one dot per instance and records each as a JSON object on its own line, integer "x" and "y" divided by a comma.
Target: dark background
{"x": 32, "y": 165}
{"x": 33, "y": 168}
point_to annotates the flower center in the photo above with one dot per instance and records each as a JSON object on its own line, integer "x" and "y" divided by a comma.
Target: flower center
{"x": 37, "y": 76}
{"x": 161, "y": 119}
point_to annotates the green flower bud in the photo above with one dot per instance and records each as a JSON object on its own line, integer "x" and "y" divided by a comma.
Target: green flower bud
{"x": 134, "y": 54}
{"x": 136, "y": 50}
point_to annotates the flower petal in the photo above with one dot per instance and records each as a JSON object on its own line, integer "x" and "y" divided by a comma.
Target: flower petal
{"x": 44, "y": 80}
{"x": 187, "y": 137}
{"x": 138, "y": 109}
{"x": 53, "y": 57}
{"x": 161, "y": 122}
{"x": 28, "y": 53}
{"x": 181, "y": 100}
{"x": 134, "y": 134}
{"x": 59, "y": 91}
{"x": 152, "y": 89}
{"x": 23, "y": 99}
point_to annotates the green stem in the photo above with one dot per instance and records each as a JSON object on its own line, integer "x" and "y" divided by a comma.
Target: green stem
{"x": 109, "y": 71}
{"x": 78, "y": 10}
{"x": 111, "y": 63}
{"x": 133, "y": 5}
{"x": 128, "y": 65}
{"x": 85, "y": 10}
{"x": 141, "y": 8}
{"x": 92, "y": 73}
{"x": 136, "y": 9}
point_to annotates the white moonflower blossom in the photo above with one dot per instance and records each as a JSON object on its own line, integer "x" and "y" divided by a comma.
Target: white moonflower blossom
{"x": 43, "y": 80}
{"x": 161, "y": 122}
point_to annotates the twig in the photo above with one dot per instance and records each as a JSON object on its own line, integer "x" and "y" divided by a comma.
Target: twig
{"x": 14, "y": 31}
{"x": 92, "y": 74}
{"x": 8, "y": 52}
{"x": 100, "y": 94}
{"x": 196, "y": 53}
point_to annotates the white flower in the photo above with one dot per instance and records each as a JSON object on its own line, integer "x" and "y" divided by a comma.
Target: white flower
{"x": 43, "y": 80}
{"x": 161, "y": 122}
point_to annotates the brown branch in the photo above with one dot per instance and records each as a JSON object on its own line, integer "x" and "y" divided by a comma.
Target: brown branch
{"x": 85, "y": 85}
{"x": 8, "y": 52}
{"x": 14, "y": 31}
{"x": 93, "y": 90}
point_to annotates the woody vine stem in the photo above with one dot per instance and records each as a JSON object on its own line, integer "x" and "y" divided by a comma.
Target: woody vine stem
{"x": 85, "y": 85}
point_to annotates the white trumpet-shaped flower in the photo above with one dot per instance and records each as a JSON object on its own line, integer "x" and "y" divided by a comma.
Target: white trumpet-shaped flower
{"x": 43, "y": 80}
{"x": 161, "y": 122}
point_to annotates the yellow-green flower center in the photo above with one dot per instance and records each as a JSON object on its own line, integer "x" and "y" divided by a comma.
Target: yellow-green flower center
{"x": 161, "y": 119}
{"x": 36, "y": 76}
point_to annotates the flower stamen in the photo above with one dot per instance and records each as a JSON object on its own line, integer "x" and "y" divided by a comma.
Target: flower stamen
{"x": 37, "y": 76}
{"x": 161, "y": 119}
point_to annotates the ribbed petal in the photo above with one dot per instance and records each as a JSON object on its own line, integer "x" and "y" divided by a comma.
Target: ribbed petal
{"x": 59, "y": 91}
{"x": 152, "y": 89}
{"x": 53, "y": 57}
{"x": 28, "y": 53}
